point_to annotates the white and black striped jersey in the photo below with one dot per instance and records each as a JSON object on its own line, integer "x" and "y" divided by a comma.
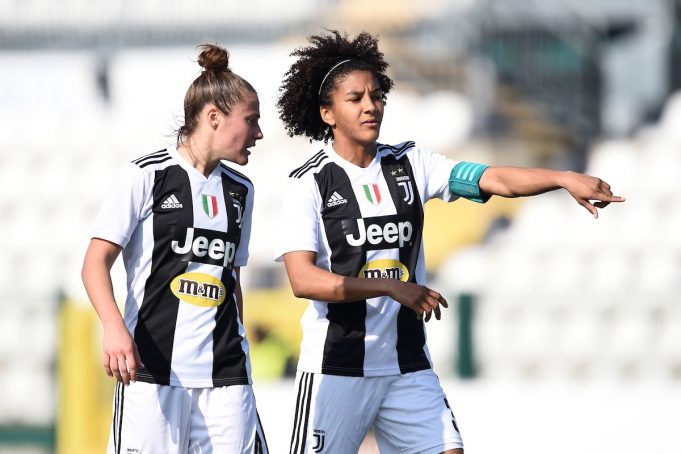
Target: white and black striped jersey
{"x": 182, "y": 236}
{"x": 367, "y": 223}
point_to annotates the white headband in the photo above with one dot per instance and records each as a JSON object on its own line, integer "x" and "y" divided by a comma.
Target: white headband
{"x": 329, "y": 72}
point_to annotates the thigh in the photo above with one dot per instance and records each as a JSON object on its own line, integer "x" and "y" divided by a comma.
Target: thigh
{"x": 149, "y": 418}
{"x": 225, "y": 419}
{"x": 333, "y": 413}
{"x": 415, "y": 417}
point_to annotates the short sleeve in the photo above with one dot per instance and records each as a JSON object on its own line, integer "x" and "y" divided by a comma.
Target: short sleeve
{"x": 300, "y": 219}
{"x": 436, "y": 170}
{"x": 241, "y": 258}
{"x": 122, "y": 209}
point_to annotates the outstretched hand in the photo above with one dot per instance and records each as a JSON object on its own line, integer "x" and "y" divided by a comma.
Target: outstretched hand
{"x": 419, "y": 298}
{"x": 587, "y": 189}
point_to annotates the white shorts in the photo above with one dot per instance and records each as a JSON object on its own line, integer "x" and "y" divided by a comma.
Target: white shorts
{"x": 409, "y": 414}
{"x": 149, "y": 418}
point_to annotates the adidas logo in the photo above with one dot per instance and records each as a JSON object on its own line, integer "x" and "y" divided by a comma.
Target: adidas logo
{"x": 336, "y": 199}
{"x": 171, "y": 202}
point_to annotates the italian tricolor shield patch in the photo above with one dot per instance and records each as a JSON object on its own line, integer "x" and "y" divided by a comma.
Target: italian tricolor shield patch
{"x": 210, "y": 205}
{"x": 372, "y": 193}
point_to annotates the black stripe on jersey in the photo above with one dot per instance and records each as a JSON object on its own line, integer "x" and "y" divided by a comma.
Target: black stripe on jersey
{"x": 229, "y": 359}
{"x": 157, "y": 314}
{"x": 307, "y": 163}
{"x": 411, "y": 338}
{"x": 311, "y": 163}
{"x": 344, "y": 345}
{"x": 397, "y": 149}
{"x": 302, "y": 406}
{"x": 229, "y": 169}
{"x": 150, "y": 155}
{"x": 159, "y": 160}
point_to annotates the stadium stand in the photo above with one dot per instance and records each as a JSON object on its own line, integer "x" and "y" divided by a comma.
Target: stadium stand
{"x": 558, "y": 295}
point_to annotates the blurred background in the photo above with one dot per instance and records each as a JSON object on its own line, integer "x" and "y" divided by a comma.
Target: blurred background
{"x": 563, "y": 332}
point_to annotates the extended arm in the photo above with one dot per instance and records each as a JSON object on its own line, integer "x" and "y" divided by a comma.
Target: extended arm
{"x": 520, "y": 182}
{"x": 310, "y": 281}
{"x": 121, "y": 358}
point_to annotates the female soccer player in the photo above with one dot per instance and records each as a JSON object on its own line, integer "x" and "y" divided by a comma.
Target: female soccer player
{"x": 351, "y": 244}
{"x": 183, "y": 221}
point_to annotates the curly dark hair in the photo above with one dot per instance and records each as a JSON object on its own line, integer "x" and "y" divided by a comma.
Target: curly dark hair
{"x": 301, "y": 93}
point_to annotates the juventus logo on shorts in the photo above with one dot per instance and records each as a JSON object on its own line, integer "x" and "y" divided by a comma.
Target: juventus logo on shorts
{"x": 318, "y": 436}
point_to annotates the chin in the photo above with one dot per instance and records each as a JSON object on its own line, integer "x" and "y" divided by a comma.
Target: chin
{"x": 369, "y": 140}
{"x": 373, "y": 137}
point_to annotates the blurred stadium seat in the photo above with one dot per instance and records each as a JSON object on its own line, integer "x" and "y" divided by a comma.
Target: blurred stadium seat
{"x": 559, "y": 295}
{"x": 613, "y": 283}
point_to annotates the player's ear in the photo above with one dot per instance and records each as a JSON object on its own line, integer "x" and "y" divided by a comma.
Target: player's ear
{"x": 327, "y": 116}
{"x": 211, "y": 114}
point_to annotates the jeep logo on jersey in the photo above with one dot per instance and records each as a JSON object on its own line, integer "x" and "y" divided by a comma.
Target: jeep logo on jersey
{"x": 199, "y": 289}
{"x": 205, "y": 246}
{"x": 384, "y": 268}
{"x": 381, "y": 232}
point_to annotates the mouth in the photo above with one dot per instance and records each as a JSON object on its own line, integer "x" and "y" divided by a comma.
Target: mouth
{"x": 373, "y": 122}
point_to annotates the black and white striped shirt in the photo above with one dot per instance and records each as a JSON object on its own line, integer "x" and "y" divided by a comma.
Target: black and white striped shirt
{"x": 367, "y": 223}
{"x": 182, "y": 236}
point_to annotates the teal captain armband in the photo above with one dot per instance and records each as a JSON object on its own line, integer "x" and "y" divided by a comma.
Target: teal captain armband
{"x": 464, "y": 181}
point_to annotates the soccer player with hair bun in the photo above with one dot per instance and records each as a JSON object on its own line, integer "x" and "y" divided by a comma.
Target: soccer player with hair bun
{"x": 182, "y": 220}
{"x": 352, "y": 245}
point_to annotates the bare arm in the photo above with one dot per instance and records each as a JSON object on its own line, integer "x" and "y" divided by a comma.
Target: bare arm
{"x": 239, "y": 295}
{"x": 310, "y": 281}
{"x": 521, "y": 182}
{"x": 120, "y": 355}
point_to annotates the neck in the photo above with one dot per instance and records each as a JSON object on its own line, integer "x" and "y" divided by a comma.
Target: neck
{"x": 198, "y": 155}
{"x": 358, "y": 154}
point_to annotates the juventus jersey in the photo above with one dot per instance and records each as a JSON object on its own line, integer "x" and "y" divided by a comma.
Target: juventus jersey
{"x": 182, "y": 235}
{"x": 366, "y": 223}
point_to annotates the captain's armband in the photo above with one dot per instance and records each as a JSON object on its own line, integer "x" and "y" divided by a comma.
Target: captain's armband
{"x": 464, "y": 181}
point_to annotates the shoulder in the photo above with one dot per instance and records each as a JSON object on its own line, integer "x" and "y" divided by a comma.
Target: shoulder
{"x": 397, "y": 150}
{"x": 311, "y": 166}
{"x": 153, "y": 161}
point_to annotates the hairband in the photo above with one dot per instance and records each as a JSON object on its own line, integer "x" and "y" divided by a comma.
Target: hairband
{"x": 329, "y": 72}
